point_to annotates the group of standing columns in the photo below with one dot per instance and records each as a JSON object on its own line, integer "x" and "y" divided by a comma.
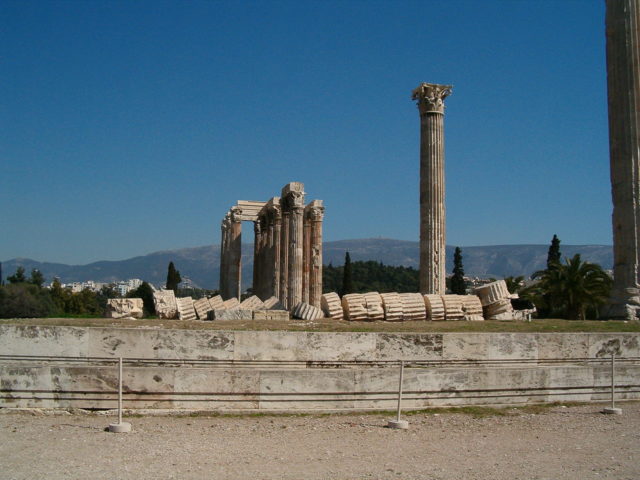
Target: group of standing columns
{"x": 287, "y": 255}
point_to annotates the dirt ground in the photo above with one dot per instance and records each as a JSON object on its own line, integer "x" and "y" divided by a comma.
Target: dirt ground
{"x": 560, "y": 442}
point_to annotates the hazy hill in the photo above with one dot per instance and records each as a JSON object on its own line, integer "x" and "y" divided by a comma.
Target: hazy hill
{"x": 202, "y": 264}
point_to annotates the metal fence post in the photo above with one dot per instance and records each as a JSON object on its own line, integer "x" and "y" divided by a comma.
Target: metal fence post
{"x": 120, "y": 427}
{"x": 397, "y": 423}
{"x": 612, "y": 409}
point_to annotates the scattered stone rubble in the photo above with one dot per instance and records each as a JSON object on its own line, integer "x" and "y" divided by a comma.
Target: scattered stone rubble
{"x": 124, "y": 307}
{"x": 492, "y": 301}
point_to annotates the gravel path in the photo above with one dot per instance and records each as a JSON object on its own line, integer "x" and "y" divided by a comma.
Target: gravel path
{"x": 575, "y": 442}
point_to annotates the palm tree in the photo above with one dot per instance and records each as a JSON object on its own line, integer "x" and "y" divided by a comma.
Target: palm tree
{"x": 571, "y": 288}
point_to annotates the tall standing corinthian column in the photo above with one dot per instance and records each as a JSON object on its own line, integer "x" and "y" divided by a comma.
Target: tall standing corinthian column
{"x": 623, "y": 84}
{"x": 430, "y": 98}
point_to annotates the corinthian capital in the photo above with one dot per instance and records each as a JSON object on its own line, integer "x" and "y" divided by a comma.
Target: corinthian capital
{"x": 315, "y": 211}
{"x": 235, "y": 214}
{"x": 430, "y": 97}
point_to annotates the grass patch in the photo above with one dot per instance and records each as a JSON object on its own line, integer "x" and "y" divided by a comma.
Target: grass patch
{"x": 329, "y": 325}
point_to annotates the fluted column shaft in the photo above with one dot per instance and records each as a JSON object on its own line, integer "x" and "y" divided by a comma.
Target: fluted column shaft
{"x": 223, "y": 259}
{"x": 623, "y": 83}
{"x": 315, "y": 261}
{"x": 235, "y": 259}
{"x": 284, "y": 258}
{"x": 306, "y": 258}
{"x": 296, "y": 239}
{"x": 430, "y": 98}
{"x": 275, "y": 282}
{"x": 257, "y": 257}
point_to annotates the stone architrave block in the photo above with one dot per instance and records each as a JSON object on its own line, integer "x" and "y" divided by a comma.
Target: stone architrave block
{"x": 216, "y": 302}
{"x": 232, "y": 314}
{"x": 185, "y": 308}
{"x": 392, "y": 306}
{"x": 435, "y": 308}
{"x": 231, "y": 303}
{"x": 165, "y": 304}
{"x": 332, "y": 306}
{"x": 453, "y": 307}
{"x": 472, "y": 308}
{"x": 203, "y": 307}
{"x": 272, "y": 303}
{"x": 373, "y": 304}
{"x": 492, "y": 292}
{"x": 304, "y": 311}
{"x": 124, "y": 307}
{"x": 252, "y": 303}
{"x": 413, "y": 308}
{"x": 354, "y": 307}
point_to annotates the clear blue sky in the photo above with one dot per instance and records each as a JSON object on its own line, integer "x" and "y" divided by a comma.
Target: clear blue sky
{"x": 130, "y": 127}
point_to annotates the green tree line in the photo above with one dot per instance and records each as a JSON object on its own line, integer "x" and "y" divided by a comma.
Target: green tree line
{"x": 369, "y": 276}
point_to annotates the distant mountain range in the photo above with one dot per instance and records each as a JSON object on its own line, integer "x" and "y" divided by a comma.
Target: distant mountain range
{"x": 202, "y": 264}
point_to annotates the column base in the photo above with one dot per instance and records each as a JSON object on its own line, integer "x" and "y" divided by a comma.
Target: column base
{"x": 623, "y": 305}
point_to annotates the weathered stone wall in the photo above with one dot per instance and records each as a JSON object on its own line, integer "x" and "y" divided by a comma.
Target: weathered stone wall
{"x": 303, "y": 346}
{"x": 62, "y": 382}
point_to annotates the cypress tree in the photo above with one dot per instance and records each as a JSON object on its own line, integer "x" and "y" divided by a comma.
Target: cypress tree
{"x": 457, "y": 280}
{"x": 173, "y": 278}
{"x": 347, "y": 281}
{"x": 553, "y": 256}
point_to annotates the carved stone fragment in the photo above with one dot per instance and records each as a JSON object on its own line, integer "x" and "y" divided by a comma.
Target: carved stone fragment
{"x": 304, "y": 311}
{"x": 373, "y": 304}
{"x": 435, "y": 308}
{"x": 492, "y": 292}
{"x": 233, "y": 314}
{"x": 332, "y": 306}
{"x": 273, "y": 303}
{"x": 413, "y": 308}
{"x": 252, "y": 303}
{"x": 277, "y": 315}
{"x": 165, "y": 304}
{"x": 453, "y": 307}
{"x": 124, "y": 307}
{"x": 185, "y": 308}
{"x": 231, "y": 303}
{"x": 472, "y": 308}
{"x": 354, "y": 307}
{"x": 392, "y": 306}
{"x": 502, "y": 307}
{"x": 202, "y": 307}
{"x": 216, "y": 302}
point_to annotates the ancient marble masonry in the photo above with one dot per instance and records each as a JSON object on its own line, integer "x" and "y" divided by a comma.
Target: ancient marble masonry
{"x": 430, "y": 98}
{"x": 287, "y": 256}
{"x": 623, "y": 82}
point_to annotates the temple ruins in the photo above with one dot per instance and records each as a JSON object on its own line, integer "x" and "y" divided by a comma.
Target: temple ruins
{"x": 623, "y": 82}
{"x": 430, "y": 98}
{"x": 287, "y": 255}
